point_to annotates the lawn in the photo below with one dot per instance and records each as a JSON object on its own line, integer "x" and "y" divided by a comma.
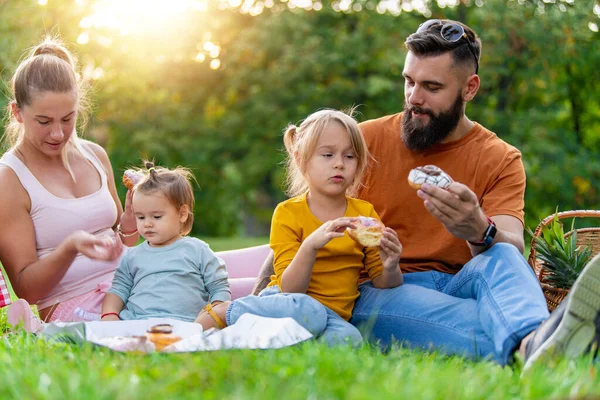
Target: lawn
{"x": 36, "y": 369}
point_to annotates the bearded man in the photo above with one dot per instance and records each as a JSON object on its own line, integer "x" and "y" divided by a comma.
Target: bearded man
{"x": 467, "y": 288}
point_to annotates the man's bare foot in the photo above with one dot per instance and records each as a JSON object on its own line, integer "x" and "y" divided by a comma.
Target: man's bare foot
{"x": 213, "y": 316}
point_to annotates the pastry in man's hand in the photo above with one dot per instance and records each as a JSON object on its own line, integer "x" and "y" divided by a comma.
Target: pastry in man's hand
{"x": 429, "y": 174}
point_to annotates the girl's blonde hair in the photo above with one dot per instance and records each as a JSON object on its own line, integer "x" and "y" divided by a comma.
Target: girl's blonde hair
{"x": 301, "y": 142}
{"x": 48, "y": 67}
{"x": 175, "y": 184}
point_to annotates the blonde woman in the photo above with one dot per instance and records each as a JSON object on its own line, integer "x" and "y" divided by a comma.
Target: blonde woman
{"x": 63, "y": 224}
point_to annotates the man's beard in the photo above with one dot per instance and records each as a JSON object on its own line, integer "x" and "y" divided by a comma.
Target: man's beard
{"x": 418, "y": 137}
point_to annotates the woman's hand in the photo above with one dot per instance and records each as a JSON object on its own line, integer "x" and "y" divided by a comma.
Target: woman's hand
{"x": 105, "y": 249}
{"x": 329, "y": 230}
{"x": 127, "y": 221}
{"x": 390, "y": 249}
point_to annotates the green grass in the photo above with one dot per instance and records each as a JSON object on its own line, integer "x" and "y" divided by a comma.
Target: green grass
{"x": 35, "y": 369}
{"x": 32, "y": 368}
{"x": 220, "y": 243}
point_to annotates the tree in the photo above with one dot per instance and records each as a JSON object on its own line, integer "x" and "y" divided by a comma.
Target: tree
{"x": 214, "y": 88}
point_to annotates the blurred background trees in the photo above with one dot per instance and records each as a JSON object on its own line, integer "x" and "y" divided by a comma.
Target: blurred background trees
{"x": 211, "y": 84}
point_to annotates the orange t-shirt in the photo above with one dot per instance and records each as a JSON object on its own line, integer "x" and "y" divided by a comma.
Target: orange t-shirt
{"x": 480, "y": 160}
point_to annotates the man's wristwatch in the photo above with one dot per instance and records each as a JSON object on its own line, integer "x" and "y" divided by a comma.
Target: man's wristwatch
{"x": 488, "y": 236}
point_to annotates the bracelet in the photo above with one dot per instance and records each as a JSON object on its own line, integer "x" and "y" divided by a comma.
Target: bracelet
{"x": 125, "y": 234}
{"x": 110, "y": 313}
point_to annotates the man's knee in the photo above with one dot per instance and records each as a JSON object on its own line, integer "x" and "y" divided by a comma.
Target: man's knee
{"x": 501, "y": 253}
{"x": 503, "y": 261}
{"x": 505, "y": 249}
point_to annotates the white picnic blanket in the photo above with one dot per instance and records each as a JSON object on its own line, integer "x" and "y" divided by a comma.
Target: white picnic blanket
{"x": 249, "y": 332}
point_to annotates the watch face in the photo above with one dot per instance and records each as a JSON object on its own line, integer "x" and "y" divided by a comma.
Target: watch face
{"x": 488, "y": 240}
{"x": 490, "y": 234}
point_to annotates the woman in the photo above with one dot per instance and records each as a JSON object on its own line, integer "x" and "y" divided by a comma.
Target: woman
{"x": 57, "y": 243}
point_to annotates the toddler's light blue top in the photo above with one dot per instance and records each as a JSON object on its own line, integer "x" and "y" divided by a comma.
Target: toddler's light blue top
{"x": 175, "y": 281}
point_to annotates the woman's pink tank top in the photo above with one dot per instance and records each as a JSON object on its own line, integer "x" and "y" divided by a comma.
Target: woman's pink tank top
{"x": 56, "y": 218}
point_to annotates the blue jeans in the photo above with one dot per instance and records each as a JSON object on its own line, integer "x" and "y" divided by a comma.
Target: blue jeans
{"x": 484, "y": 311}
{"x": 339, "y": 331}
{"x": 319, "y": 320}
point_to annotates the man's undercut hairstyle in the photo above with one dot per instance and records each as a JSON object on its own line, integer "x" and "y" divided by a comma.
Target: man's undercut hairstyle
{"x": 430, "y": 42}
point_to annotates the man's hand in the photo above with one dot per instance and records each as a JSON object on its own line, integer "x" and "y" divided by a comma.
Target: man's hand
{"x": 457, "y": 208}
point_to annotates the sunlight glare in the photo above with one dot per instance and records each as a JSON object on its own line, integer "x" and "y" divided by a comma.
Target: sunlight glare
{"x": 307, "y": 4}
{"x": 138, "y": 16}
{"x": 83, "y": 38}
{"x": 42, "y": 2}
{"x": 394, "y": 7}
{"x": 98, "y": 73}
{"x": 345, "y": 5}
{"x": 215, "y": 64}
{"x": 200, "y": 5}
{"x": 104, "y": 41}
{"x": 210, "y": 46}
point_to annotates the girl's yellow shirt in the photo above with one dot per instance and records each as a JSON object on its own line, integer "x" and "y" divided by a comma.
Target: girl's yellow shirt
{"x": 337, "y": 268}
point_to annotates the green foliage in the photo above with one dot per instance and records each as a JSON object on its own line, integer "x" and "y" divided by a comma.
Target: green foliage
{"x": 560, "y": 255}
{"x": 539, "y": 91}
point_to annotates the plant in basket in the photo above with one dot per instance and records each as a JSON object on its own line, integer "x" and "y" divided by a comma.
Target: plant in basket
{"x": 559, "y": 255}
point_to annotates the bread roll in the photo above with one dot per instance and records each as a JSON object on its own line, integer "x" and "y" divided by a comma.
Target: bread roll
{"x": 368, "y": 231}
{"x": 428, "y": 174}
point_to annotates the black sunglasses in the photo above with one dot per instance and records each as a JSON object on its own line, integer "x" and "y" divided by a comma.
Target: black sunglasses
{"x": 451, "y": 33}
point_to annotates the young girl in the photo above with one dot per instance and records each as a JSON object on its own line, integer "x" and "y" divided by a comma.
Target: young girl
{"x": 168, "y": 275}
{"x": 312, "y": 253}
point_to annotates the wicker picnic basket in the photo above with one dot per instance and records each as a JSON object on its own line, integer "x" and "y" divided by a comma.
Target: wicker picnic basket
{"x": 585, "y": 237}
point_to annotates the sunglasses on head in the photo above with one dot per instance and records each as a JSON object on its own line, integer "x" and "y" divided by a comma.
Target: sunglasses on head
{"x": 451, "y": 32}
